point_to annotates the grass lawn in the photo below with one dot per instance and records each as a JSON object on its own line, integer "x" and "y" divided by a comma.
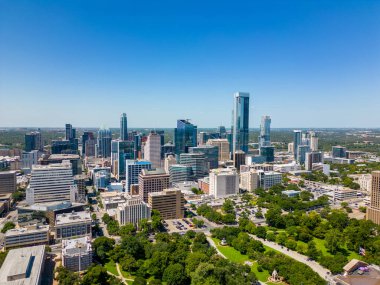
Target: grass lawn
{"x": 111, "y": 267}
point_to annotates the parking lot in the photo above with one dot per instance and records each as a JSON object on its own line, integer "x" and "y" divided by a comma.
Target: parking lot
{"x": 178, "y": 225}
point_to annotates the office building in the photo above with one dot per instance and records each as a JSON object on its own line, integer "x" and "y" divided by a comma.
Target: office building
{"x": 169, "y": 160}
{"x": 323, "y": 167}
{"x": 87, "y": 136}
{"x": 30, "y": 158}
{"x": 28, "y": 236}
{"x": 338, "y": 152}
{"x": 152, "y": 149}
{"x": 267, "y": 153}
{"x": 222, "y": 132}
{"x": 102, "y": 179}
{"x": 152, "y": 181}
{"x": 51, "y": 183}
{"x": 8, "y": 182}
{"x": 264, "y": 138}
{"x": 77, "y": 254}
{"x": 168, "y": 149}
{"x": 301, "y": 153}
{"x": 64, "y": 147}
{"x": 120, "y": 152}
{"x": 169, "y": 202}
{"x": 70, "y": 225}
{"x": 197, "y": 162}
{"x": 345, "y": 194}
{"x": 223, "y": 148}
{"x": 80, "y": 181}
{"x": 185, "y": 136}
{"x": 297, "y": 141}
{"x": 180, "y": 173}
{"x": 203, "y": 137}
{"x": 90, "y": 146}
{"x": 210, "y": 152}
{"x": 240, "y": 126}
{"x": 269, "y": 179}
{"x": 74, "y": 159}
{"x": 123, "y": 127}
{"x": 313, "y": 157}
{"x": 313, "y": 141}
{"x": 223, "y": 182}
{"x": 70, "y": 132}
{"x": 249, "y": 180}
{"x": 239, "y": 158}
{"x": 290, "y": 147}
{"x": 23, "y": 266}
{"x": 373, "y": 211}
{"x": 103, "y": 146}
{"x": 132, "y": 171}
{"x": 132, "y": 211}
{"x": 33, "y": 141}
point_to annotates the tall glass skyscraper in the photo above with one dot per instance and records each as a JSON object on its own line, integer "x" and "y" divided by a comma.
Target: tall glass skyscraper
{"x": 240, "y": 122}
{"x": 297, "y": 141}
{"x": 123, "y": 127}
{"x": 103, "y": 146}
{"x": 185, "y": 136}
{"x": 264, "y": 138}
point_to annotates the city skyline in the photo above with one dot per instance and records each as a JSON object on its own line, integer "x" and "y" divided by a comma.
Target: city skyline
{"x": 161, "y": 62}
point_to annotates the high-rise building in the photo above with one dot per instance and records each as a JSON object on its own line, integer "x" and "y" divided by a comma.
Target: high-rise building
{"x": 197, "y": 162}
{"x": 313, "y": 141}
{"x": 297, "y": 140}
{"x": 222, "y": 132}
{"x": 240, "y": 122}
{"x": 249, "y": 180}
{"x": 210, "y": 152}
{"x": 70, "y": 132}
{"x": 301, "y": 153}
{"x": 180, "y": 173}
{"x": 86, "y": 137}
{"x": 239, "y": 159}
{"x": 132, "y": 211}
{"x": 120, "y": 152}
{"x": 30, "y": 158}
{"x": 223, "y": 182}
{"x": 132, "y": 171}
{"x": 373, "y": 211}
{"x": 267, "y": 152}
{"x": 51, "y": 183}
{"x": 168, "y": 149}
{"x": 33, "y": 141}
{"x": 8, "y": 182}
{"x": 169, "y": 160}
{"x": 169, "y": 202}
{"x": 152, "y": 149}
{"x": 90, "y": 146}
{"x": 205, "y": 136}
{"x": 80, "y": 181}
{"x": 123, "y": 127}
{"x": 223, "y": 148}
{"x": 103, "y": 147}
{"x": 313, "y": 157}
{"x": 185, "y": 136}
{"x": 264, "y": 138}
{"x": 339, "y": 151}
{"x": 152, "y": 181}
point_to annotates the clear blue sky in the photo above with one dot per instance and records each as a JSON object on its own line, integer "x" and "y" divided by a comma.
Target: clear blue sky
{"x": 306, "y": 63}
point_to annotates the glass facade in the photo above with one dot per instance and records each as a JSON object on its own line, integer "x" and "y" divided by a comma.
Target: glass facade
{"x": 241, "y": 122}
{"x": 297, "y": 140}
{"x": 264, "y": 138}
{"x": 185, "y": 136}
{"x": 123, "y": 127}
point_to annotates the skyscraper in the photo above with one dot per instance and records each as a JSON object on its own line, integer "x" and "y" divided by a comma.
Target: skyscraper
{"x": 120, "y": 152}
{"x": 33, "y": 141}
{"x": 373, "y": 211}
{"x": 264, "y": 138}
{"x": 240, "y": 122}
{"x": 123, "y": 127}
{"x": 152, "y": 149}
{"x": 85, "y": 137}
{"x": 70, "y": 132}
{"x": 132, "y": 171}
{"x": 185, "y": 136}
{"x": 103, "y": 146}
{"x": 297, "y": 140}
{"x": 222, "y": 132}
{"x": 313, "y": 141}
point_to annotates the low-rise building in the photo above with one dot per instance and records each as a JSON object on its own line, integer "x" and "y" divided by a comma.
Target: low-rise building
{"x": 132, "y": 211}
{"x": 77, "y": 253}
{"x": 269, "y": 179}
{"x": 170, "y": 203}
{"x": 23, "y": 266}
{"x": 76, "y": 224}
{"x": 345, "y": 194}
{"x": 28, "y": 236}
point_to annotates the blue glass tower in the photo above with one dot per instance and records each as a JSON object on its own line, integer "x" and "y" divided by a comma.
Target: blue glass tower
{"x": 264, "y": 138}
{"x": 123, "y": 127}
{"x": 185, "y": 136}
{"x": 297, "y": 141}
{"x": 104, "y": 143}
{"x": 240, "y": 122}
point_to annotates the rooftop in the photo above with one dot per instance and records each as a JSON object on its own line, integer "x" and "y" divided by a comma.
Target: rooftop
{"x": 26, "y": 230}
{"x": 76, "y": 246}
{"x": 23, "y": 266}
{"x": 63, "y": 156}
{"x": 74, "y": 217}
{"x": 158, "y": 171}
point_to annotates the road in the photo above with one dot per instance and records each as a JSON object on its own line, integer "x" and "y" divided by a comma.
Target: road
{"x": 323, "y": 272}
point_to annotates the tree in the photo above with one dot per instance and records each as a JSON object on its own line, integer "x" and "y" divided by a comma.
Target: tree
{"x": 333, "y": 240}
{"x": 193, "y": 260}
{"x": 139, "y": 281}
{"x": 291, "y": 244}
{"x": 18, "y": 196}
{"x": 312, "y": 250}
{"x": 66, "y": 277}
{"x": 260, "y": 232}
{"x": 228, "y": 207}
{"x": 174, "y": 274}
{"x": 96, "y": 274}
{"x": 127, "y": 230}
{"x": 8, "y": 226}
{"x": 101, "y": 246}
{"x": 198, "y": 223}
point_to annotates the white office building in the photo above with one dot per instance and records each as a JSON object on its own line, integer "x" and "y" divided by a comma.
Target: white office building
{"x": 132, "y": 171}
{"x": 132, "y": 211}
{"x": 76, "y": 224}
{"x": 20, "y": 237}
{"x": 77, "y": 253}
{"x": 51, "y": 183}
{"x": 269, "y": 179}
{"x": 223, "y": 182}
{"x": 30, "y": 158}
{"x": 249, "y": 180}
{"x": 152, "y": 150}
